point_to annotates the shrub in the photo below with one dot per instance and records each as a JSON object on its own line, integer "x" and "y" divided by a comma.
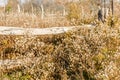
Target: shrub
{"x": 73, "y": 13}
{"x": 113, "y": 21}
{"x": 87, "y": 54}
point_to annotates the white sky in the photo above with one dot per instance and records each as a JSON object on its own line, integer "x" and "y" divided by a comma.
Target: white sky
{"x": 3, "y": 3}
{"x": 23, "y": 1}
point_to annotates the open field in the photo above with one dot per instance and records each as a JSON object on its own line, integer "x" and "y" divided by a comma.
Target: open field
{"x": 31, "y": 20}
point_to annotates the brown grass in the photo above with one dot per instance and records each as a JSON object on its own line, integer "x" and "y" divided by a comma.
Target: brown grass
{"x": 30, "y": 20}
{"x": 86, "y": 54}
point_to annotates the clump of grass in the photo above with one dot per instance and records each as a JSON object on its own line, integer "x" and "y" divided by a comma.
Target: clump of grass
{"x": 113, "y": 21}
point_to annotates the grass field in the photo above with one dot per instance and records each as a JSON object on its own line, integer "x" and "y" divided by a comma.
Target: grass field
{"x": 31, "y": 20}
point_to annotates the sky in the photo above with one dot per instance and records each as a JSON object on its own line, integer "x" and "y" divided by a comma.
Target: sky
{"x": 23, "y": 1}
{"x": 3, "y": 3}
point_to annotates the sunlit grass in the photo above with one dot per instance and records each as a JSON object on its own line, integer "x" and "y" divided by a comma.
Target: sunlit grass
{"x": 91, "y": 54}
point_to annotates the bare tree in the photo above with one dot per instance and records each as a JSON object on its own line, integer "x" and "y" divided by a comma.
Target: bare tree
{"x": 104, "y": 9}
{"x": 112, "y": 7}
{"x": 18, "y": 6}
{"x": 42, "y": 11}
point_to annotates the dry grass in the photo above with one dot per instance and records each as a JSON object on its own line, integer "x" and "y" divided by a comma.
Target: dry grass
{"x": 86, "y": 54}
{"x": 31, "y": 20}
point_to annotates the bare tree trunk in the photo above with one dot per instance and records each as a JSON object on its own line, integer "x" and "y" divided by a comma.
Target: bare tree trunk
{"x": 112, "y": 7}
{"x": 9, "y": 65}
{"x": 64, "y": 12}
{"x": 104, "y": 9}
{"x": 82, "y": 12}
{"x": 18, "y": 6}
{"x": 32, "y": 6}
{"x": 42, "y": 11}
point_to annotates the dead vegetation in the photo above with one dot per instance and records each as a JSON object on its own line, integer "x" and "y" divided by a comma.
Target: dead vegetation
{"x": 86, "y": 54}
{"x": 30, "y": 20}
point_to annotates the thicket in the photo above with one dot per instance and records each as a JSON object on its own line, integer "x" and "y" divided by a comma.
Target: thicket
{"x": 85, "y": 54}
{"x": 81, "y": 13}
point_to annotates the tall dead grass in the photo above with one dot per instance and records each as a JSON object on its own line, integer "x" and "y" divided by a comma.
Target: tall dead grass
{"x": 86, "y": 54}
{"x": 31, "y": 20}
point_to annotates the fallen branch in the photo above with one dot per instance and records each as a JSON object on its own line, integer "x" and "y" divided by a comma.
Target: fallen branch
{"x": 7, "y": 65}
{"x": 38, "y": 31}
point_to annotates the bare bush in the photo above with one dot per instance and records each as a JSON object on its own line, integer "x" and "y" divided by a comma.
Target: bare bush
{"x": 86, "y": 54}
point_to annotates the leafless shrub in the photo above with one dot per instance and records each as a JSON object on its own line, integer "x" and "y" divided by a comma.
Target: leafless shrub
{"x": 87, "y": 54}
